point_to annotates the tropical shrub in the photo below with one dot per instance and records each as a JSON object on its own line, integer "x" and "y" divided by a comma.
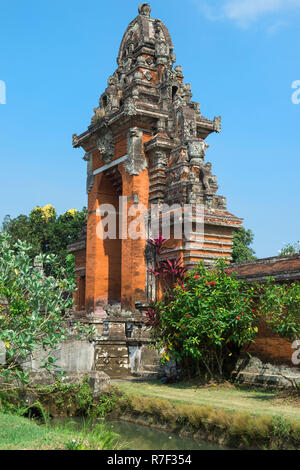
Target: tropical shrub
{"x": 33, "y": 308}
{"x": 280, "y": 306}
{"x": 166, "y": 272}
{"x": 206, "y": 319}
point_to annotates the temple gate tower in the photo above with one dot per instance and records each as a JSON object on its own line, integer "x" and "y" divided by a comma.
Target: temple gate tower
{"x": 147, "y": 143}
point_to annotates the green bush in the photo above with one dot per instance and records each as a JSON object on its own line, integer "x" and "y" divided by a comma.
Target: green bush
{"x": 33, "y": 309}
{"x": 280, "y": 306}
{"x": 206, "y": 320}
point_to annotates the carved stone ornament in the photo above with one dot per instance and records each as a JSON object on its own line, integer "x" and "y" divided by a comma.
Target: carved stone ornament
{"x": 162, "y": 49}
{"x": 130, "y": 107}
{"x": 209, "y": 181}
{"x": 136, "y": 162}
{"x": 106, "y": 146}
{"x": 75, "y": 140}
{"x": 148, "y": 76}
{"x": 145, "y": 9}
{"x": 221, "y": 202}
{"x": 90, "y": 174}
{"x": 197, "y": 150}
{"x": 218, "y": 124}
{"x": 189, "y": 128}
{"x": 160, "y": 160}
{"x": 208, "y": 200}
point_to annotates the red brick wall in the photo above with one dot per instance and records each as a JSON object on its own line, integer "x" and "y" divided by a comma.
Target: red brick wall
{"x": 270, "y": 347}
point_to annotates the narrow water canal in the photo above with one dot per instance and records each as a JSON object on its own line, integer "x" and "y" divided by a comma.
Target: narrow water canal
{"x": 143, "y": 438}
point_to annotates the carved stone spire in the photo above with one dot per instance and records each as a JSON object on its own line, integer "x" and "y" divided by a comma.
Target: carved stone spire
{"x": 147, "y": 87}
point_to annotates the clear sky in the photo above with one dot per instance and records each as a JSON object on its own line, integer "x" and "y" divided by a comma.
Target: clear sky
{"x": 240, "y": 56}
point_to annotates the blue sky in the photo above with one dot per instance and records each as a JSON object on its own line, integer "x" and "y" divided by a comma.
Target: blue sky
{"x": 240, "y": 56}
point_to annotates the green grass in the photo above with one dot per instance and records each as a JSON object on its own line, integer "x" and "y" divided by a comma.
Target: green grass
{"x": 228, "y": 398}
{"x": 17, "y": 433}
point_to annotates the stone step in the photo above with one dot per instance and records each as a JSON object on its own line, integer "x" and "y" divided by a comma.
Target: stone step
{"x": 151, "y": 368}
{"x": 148, "y": 375}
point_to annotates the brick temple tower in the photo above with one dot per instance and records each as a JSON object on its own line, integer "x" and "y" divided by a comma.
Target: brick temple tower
{"x": 146, "y": 143}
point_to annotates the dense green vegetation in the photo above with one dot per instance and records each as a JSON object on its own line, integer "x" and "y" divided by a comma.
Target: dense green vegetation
{"x": 207, "y": 317}
{"x": 19, "y": 433}
{"x": 242, "y": 242}
{"x": 290, "y": 249}
{"x": 46, "y": 232}
{"x": 224, "y": 414}
{"x": 33, "y": 309}
{"x": 279, "y": 304}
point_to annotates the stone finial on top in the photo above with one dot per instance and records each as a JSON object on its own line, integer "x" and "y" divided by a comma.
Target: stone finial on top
{"x": 145, "y": 10}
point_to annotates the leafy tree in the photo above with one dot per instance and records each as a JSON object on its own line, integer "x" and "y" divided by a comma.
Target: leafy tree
{"x": 242, "y": 242}
{"x": 33, "y": 308}
{"x": 290, "y": 249}
{"x": 46, "y": 232}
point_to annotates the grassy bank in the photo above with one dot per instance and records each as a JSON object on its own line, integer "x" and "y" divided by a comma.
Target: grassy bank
{"x": 224, "y": 415}
{"x": 257, "y": 402}
{"x": 18, "y": 433}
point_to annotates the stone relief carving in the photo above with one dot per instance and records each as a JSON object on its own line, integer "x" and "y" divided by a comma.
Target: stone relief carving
{"x": 136, "y": 162}
{"x": 160, "y": 160}
{"x": 162, "y": 49}
{"x": 189, "y": 128}
{"x": 106, "y": 146}
{"x": 130, "y": 107}
{"x": 218, "y": 124}
{"x": 90, "y": 174}
{"x": 197, "y": 150}
{"x": 145, "y": 10}
{"x": 148, "y": 76}
{"x": 209, "y": 181}
{"x": 75, "y": 140}
{"x": 220, "y": 202}
{"x": 209, "y": 200}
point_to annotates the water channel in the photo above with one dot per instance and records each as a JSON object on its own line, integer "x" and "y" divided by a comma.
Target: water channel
{"x": 140, "y": 437}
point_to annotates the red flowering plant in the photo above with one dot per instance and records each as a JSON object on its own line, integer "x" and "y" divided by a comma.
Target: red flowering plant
{"x": 209, "y": 318}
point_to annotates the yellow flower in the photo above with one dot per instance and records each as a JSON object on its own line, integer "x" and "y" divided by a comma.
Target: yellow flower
{"x": 72, "y": 212}
{"x": 47, "y": 212}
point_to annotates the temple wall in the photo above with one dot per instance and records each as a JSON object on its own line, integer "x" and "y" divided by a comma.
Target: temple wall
{"x": 269, "y": 347}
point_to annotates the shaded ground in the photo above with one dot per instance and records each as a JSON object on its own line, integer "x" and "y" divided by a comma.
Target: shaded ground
{"x": 251, "y": 401}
